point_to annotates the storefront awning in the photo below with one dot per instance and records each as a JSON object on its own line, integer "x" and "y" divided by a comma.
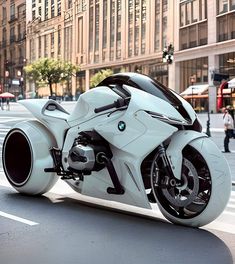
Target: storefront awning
{"x": 231, "y": 83}
{"x": 195, "y": 90}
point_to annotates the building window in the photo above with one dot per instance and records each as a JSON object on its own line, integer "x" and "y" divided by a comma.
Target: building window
{"x": 188, "y": 13}
{"x": 137, "y": 28}
{"x": 232, "y": 4}
{"x": 46, "y": 46}
{"x": 202, "y": 34}
{"x": 182, "y": 15}
{"x": 97, "y": 26}
{"x": 195, "y": 35}
{"x": 112, "y": 23}
{"x": 222, "y": 28}
{"x": 192, "y": 36}
{"x": 226, "y": 27}
{"x": 164, "y": 31}
{"x": 39, "y": 46}
{"x": 130, "y": 27}
{"x": 157, "y": 26}
{"x": 70, "y": 4}
{"x": 52, "y": 40}
{"x": 193, "y": 24}
{"x": 91, "y": 21}
{"x": 222, "y": 6}
{"x": 46, "y": 9}
{"x": 192, "y": 12}
{"x": 59, "y": 41}
{"x": 184, "y": 38}
{"x": 59, "y": 7}
{"x": 12, "y": 10}
{"x": 118, "y": 34}
{"x": 12, "y": 34}
{"x": 195, "y": 11}
{"x": 197, "y": 67}
{"x": 105, "y": 14}
{"x": 231, "y": 24}
{"x": 52, "y": 10}
{"x": 227, "y": 64}
{"x": 203, "y": 10}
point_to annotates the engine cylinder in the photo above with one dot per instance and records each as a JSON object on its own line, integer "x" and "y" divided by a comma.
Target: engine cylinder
{"x": 25, "y": 155}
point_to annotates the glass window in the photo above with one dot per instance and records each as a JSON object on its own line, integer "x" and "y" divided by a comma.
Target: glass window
{"x": 183, "y": 38}
{"x": 188, "y": 13}
{"x": 202, "y": 34}
{"x": 222, "y": 6}
{"x": 182, "y": 15}
{"x": 192, "y": 36}
{"x": 195, "y": 11}
{"x": 157, "y": 33}
{"x": 232, "y": 4}
{"x": 97, "y": 17}
{"x": 91, "y": 17}
{"x": 227, "y": 64}
{"x": 197, "y": 67}
{"x": 164, "y": 31}
{"x": 222, "y": 28}
{"x": 203, "y": 11}
{"x": 59, "y": 7}
{"x": 232, "y": 26}
{"x": 105, "y": 11}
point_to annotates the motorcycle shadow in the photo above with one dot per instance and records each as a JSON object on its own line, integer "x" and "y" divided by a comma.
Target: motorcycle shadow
{"x": 113, "y": 236}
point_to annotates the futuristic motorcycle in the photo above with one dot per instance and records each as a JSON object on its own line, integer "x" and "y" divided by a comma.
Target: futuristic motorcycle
{"x": 129, "y": 140}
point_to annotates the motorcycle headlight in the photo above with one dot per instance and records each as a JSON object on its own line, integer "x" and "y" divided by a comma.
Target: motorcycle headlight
{"x": 170, "y": 120}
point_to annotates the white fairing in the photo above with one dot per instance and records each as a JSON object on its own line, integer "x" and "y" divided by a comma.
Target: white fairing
{"x": 26, "y": 155}
{"x": 149, "y": 121}
{"x": 55, "y": 119}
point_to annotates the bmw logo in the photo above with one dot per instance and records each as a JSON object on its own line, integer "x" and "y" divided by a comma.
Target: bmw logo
{"x": 121, "y": 126}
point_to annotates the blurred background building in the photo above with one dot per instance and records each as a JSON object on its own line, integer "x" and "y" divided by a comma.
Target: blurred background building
{"x": 12, "y": 45}
{"x": 128, "y": 36}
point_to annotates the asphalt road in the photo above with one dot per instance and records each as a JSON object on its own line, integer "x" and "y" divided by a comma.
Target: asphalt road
{"x": 63, "y": 227}
{"x": 68, "y": 231}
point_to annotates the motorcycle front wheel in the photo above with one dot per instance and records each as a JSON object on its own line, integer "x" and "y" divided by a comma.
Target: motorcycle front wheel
{"x": 205, "y": 188}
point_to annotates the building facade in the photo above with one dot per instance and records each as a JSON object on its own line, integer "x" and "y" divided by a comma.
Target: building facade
{"x": 100, "y": 34}
{"x": 123, "y": 36}
{"x": 205, "y": 46}
{"x": 12, "y": 45}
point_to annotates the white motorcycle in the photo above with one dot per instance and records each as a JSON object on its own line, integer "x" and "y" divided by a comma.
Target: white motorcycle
{"x": 129, "y": 140}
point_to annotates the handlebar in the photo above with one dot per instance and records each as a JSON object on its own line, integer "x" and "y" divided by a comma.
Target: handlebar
{"x": 116, "y": 104}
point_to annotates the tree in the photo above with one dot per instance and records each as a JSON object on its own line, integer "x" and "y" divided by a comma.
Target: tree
{"x": 50, "y": 71}
{"x": 99, "y": 77}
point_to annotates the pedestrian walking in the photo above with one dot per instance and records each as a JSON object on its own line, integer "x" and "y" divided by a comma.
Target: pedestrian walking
{"x": 228, "y": 127}
{"x": 8, "y": 104}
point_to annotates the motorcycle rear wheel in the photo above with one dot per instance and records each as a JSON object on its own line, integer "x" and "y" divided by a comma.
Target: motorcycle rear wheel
{"x": 25, "y": 155}
{"x": 205, "y": 190}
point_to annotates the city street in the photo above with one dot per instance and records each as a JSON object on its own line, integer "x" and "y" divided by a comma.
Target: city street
{"x": 64, "y": 227}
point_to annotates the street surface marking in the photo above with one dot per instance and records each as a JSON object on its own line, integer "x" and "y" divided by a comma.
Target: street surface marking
{"x": 19, "y": 219}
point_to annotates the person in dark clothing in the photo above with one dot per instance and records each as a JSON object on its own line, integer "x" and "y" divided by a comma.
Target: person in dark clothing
{"x": 228, "y": 127}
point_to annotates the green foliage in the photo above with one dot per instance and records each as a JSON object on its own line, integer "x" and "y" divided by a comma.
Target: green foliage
{"x": 50, "y": 71}
{"x": 99, "y": 77}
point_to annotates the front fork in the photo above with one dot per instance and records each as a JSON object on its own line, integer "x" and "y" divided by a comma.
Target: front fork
{"x": 168, "y": 179}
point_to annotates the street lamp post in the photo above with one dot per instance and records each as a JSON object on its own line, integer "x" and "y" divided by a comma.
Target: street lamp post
{"x": 6, "y": 80}
{"x": 192, "y": 80}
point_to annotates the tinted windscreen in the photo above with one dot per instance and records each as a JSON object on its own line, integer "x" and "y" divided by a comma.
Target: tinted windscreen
{"x": 144, "y": 83}
{"x": 153, "y": 87}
